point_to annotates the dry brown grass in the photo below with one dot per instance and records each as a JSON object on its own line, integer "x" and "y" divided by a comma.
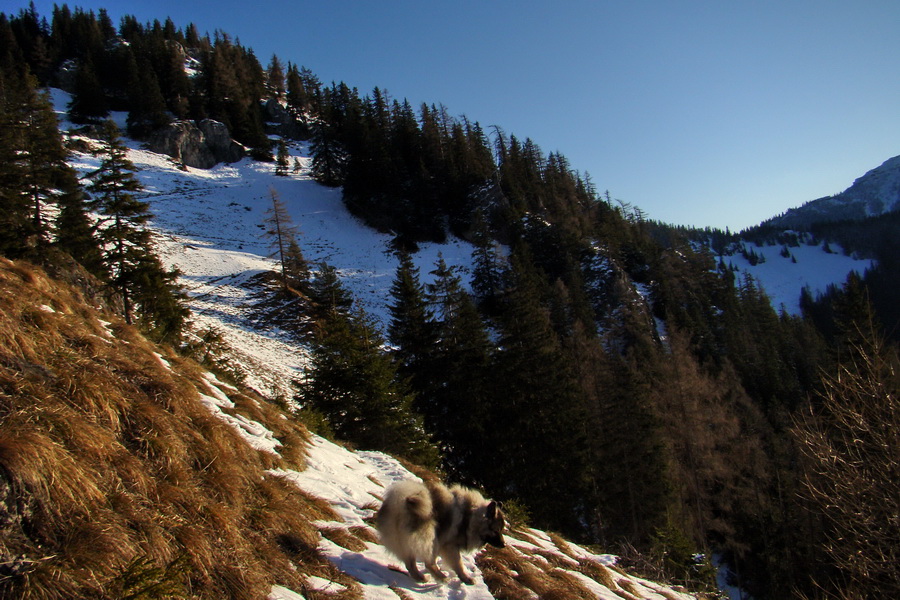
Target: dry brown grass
{"x": 511, "y": 575}
{"x": 108, "y": 459}
{"x": 514, "y": 575}
{"x": 627, "y": 590}
{"x": 344, "y": 538}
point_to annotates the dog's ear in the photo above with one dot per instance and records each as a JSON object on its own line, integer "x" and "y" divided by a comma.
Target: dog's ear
{"x": 492, "y": 509}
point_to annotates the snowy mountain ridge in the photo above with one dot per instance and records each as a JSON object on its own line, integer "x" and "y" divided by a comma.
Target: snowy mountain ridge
{"x": 873, "y": 194}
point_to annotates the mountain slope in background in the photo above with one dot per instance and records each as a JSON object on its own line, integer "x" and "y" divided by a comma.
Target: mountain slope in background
{"x": 783, "y": 275}
{"x": 875, "y": 193}
{"x": 817, "y": 244}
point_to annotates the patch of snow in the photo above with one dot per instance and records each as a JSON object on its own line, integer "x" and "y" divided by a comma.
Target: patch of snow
{"x": 282, "y": 593}
{"x": 163, "y": 361}
{"x": 321, "y": 584}
{"x": 254, "y": 433}
{"x": 783, "y": 279}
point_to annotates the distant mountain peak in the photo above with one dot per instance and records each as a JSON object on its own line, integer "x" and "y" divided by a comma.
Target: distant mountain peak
{"x": 875, "y": 193}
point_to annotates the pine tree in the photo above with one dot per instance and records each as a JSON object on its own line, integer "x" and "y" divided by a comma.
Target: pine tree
{"x": 297, "y": 101}
{"x": 275, "y": 78}
{"x": 282, "y": 159}
{"x": 75, "y": 231}
{"x": 16, "y": 220}
{"x": 355, "y": 386}
{"x": 456, "y": 403}
{"x": 123, "y": 217}
{"x": 148, "y": 106}
{"x": 34, "y": 169}
{"x": 151, "y": 296}
{"x": 88, "y": 103}
{"x": 536, "y": 414}
{"x": 161, "y": 301}
{"x": 487, "y": 276}
{"x": 296, "y": 266}
{"x": 328, "y": 293}
{"x": 328, "y": 156}
{"x": 410, "y": 330}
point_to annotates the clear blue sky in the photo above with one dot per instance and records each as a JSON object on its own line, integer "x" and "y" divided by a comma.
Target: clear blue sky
{"x": 706, "y": 113}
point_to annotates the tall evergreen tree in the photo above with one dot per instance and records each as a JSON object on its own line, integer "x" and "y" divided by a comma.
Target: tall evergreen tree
{"x": 536, "y": 415}
{"x": 355, "y": 386}
{"x": 275, "y": 78}
{"x": 123, "y": 217}
{"x": 410, "y": 330}
{"x": 35, "y": 168}
{"x": 88, "y": 103}
{"x": 487, "y": 275}
{"x": 151, "y": 296}
{"x": 328, "y": 156}
{"x": 456, "y": 403}
{"x": 148, "y": 106}
{"x": 328, "y": 293}
{"x": 282, "y": 159}
{"x": 75, "y": 231}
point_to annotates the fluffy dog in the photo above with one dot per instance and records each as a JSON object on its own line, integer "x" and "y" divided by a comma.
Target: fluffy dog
{"x": 420, "y": 521}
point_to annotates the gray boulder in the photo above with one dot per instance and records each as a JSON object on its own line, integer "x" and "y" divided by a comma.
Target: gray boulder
{"x": 201, "y": 147}
{"x": 218, "y": 140}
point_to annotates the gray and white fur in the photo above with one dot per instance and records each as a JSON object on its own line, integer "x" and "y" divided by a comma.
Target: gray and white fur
{"x": 421, "y": 522}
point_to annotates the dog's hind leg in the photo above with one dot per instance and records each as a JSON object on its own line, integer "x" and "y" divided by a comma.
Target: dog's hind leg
{"x": 435, "y": 570}
{"x": 413, "y": 570}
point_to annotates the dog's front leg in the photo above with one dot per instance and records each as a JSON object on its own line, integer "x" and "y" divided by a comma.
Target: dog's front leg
{"x": 455, "y": 561}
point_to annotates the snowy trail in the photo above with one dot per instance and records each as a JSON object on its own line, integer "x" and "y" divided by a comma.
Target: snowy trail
{"x": 353, "y": 484}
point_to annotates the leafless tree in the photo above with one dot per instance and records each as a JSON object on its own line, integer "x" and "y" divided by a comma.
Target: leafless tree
{"x": 850, "y": 437}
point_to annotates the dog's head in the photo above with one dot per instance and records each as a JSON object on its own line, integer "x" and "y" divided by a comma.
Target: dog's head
{"x": 492, "y": 528}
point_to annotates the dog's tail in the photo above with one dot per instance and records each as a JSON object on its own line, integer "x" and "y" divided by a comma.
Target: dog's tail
{"x": 406, "y": 502}
{"x": 418, "y": 506}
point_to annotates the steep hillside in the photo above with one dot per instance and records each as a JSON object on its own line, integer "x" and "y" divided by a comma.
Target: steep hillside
{"x": 209, "y": 225}
{"x": 117, "y": 473}
{"x": 129, "y": 470}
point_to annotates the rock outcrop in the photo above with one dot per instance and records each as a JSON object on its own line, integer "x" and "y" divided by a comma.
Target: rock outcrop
{"x": 280, "y": 122}
{"x": 202, "y": 145}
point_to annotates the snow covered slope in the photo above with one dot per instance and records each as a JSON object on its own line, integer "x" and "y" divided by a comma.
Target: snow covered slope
{"x": 783, "y": 277}
{"x": 353, "y": 484}
{"x": 210, "y": 225}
